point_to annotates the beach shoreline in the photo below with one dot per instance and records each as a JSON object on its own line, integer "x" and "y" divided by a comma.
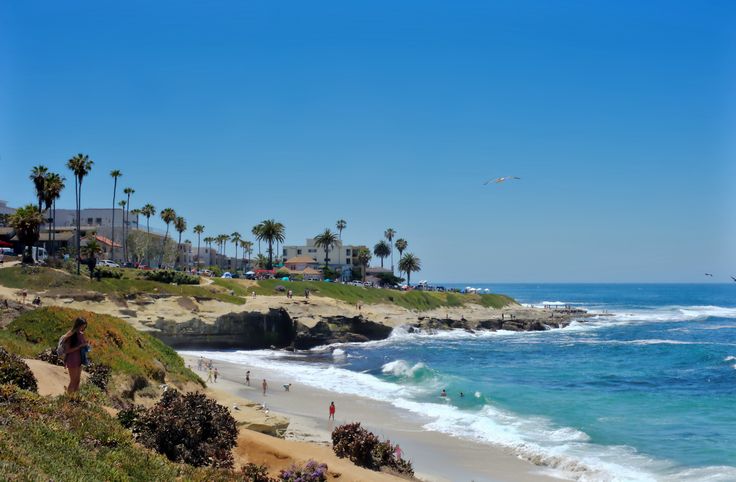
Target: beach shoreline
{"x": 437, "y": 457}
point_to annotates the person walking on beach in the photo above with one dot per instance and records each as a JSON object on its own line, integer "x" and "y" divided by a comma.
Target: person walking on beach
{"x": 209, "y": 375}
{"x": 398, "y": 452}
{"x": 265, "y": 387}
{"x": 332, "y": 412}
{"x": 73, "y": 341}
{"x": 247, "y": 377}
{"x": 216, "y": 373}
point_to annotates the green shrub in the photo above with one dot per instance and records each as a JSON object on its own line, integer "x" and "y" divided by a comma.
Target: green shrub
{"x": 106, "y": 272}
{"x": 282, "y": 273}
{"x": 364, "y": 449}
{"x": 171, "y": 276}
{"x": 251, "y": 472}
{"x": 99, "y": 375}
{"x": 189, "y": 428}
{"x": 14, "y": 370}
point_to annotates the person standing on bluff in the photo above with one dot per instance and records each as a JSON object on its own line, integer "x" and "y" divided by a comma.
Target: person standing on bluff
{"x": 73, "y": 342}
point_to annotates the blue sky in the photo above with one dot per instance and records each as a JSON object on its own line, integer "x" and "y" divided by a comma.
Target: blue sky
{"x": 618, "y": 116}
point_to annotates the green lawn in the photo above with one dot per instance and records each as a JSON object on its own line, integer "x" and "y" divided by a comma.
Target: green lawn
{"x": 60, "y": 282}
{"x": 414, "y": 300}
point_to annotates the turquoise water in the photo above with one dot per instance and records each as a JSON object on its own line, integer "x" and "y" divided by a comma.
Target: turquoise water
{"x": 646, "y": 394}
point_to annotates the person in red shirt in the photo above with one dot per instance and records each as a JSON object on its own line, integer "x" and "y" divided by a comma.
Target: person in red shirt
{"x": 332, "y": 411}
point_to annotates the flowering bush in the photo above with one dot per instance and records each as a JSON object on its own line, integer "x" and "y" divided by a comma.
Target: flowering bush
{"x": 311, "y": 472}
{"x": 255, "y": 473}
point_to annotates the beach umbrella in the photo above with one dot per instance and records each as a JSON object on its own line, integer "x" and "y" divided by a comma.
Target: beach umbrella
{"x": 285, "y": 278}
{"x": 250, "y": 272}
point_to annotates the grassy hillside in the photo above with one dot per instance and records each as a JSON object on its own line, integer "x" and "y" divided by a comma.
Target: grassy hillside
{"x": 57, "y": 281}
{"x": 114, "y": 343}
{"x": 414, "y": 300}
{"x": 61, "y": 439}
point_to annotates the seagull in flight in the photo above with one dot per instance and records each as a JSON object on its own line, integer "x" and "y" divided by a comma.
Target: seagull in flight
{"x": 708, "y": 274}
{"x": 733, "y": 278}
{"x": 500, "y": 180}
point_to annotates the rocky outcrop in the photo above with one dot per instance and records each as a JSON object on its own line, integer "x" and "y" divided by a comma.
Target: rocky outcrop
{"x": 339, "y": 330}
{"x": 245, "y": 330}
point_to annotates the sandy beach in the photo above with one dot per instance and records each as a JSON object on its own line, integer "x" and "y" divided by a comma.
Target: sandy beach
{"x": 436, "y": 456}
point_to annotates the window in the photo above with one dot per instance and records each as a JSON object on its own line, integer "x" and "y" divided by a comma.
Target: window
{"x": 350, "y": 261}
{"x": 298, "y": 251}
{"x": 312, "y": 250}
{"x": 98, "y": 221}
{"x": 89, "y": 220}
{"x": 347, "y": 252}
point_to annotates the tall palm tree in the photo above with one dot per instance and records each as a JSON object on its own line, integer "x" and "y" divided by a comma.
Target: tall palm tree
{"x": 80, "y": 165}
{"x": 340, "y": 225}
{"x": 38, "y": 176}
{"x": 26, "y": 222}
{"x": 123, "y": 203}
{"x": 326, "y": 240}
{"x": 382, "y": 250}
{"x": 198, "y": 230}
{"x": 135, "y": 212}
{"x": 271, "y": 231}
{"x": 247, "y": 251}
{"x": 115, "y": 174}
{"x": 168, "y": 216}
{"x": 180, "y": 224}
{"x": 235, "y": 238}
{"x": 128, "y": 191}
{"x": 147, "y": 211}
{"x": 53, "y": 186}
{"x": 222, "y": 240}
{"x": 364, "y": 257}
{"x": 389, "y": 235}
{"x": 409, "y": 264}
{"x": 401, "y": 245}
{"x": 256, "y": 231}
{"x": 208, "y": 242}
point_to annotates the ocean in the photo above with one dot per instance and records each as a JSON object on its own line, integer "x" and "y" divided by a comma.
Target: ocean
{"x": 648, "y": 393}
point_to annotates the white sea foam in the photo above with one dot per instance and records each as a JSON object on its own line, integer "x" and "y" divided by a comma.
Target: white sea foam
{"x": 338, "y": 353}
{"x": 730, "y": 358}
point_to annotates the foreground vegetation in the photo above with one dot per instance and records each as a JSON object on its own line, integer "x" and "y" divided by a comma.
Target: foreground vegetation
{"x": 413, "y": 300}
{"x": 75, "y": 439}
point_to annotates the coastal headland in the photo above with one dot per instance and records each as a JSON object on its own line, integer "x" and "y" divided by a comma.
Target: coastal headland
{"x": 250, "y": 315}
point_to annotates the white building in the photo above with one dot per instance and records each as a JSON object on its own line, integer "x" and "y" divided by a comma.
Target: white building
{"x": 341, "y": 256}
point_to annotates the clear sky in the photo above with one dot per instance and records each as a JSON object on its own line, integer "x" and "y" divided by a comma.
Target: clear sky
{"x": 618, "y": 116}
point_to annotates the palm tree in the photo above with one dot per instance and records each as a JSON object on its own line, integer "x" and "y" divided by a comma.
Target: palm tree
{"x": 80, "y": 165}
{"x": 364, "y": 257}
{"x": 208, "y": 242}
{"x": 126, "y": 224}
{"x": 123, "y": 203}
{"x": 168, "y": 216}
{"x": 222, "y": 240}
{"x": 247, "y": 251}
{"x": 38, "y": 176}
{"x": 401, "y": 245}
{"x": 53, "y": 186}
{"x": 389, "y": 235}
{"x": 409, "y": 264}
{"x": 271, "y": 231}
{"x": 136, "y": 213}
{"x": 382, "y": 250}
{"x": 180, "y": 224}
{"x": 115, "y": 174}
{"x": 261, "y": 261}
{"x": 340, "y": 225}
{"x": 326, "y": 240}
{"x": 235, "y": 238}
{"x": 256, "y": 231}
{"x": 26, "y": 222}
{"x": 198, "y": 230}
{"x": 147, "y": 211}
{"x": 90, "y": 251}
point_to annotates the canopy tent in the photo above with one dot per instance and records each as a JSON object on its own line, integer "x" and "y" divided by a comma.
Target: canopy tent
{"x": 3, "y": 244}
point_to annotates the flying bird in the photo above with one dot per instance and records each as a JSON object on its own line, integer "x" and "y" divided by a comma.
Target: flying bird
{"x": 708, "y": 274}
{"x": 733, "y": 278}
{"x": 500, "y": 180}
